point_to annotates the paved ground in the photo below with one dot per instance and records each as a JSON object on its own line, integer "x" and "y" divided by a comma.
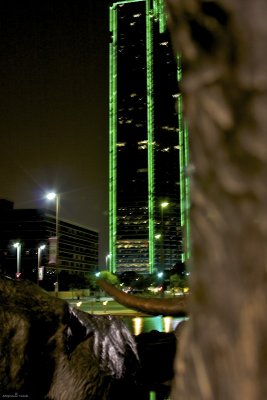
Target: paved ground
{"x": 104, "y": 305}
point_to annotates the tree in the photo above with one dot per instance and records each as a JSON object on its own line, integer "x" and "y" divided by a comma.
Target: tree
{"x": 142, "y": 282}
{"x": 222, "y": 44}
{"x": 127, "y": 277}
{"x": 91, "y": 280}
{"x": 108, "y": 276}
{"x": 179, "y": 268}
{"x": 178, "y": 281}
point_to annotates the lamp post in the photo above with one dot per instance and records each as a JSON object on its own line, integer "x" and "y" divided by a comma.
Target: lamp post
{"x": 163, "y": 205}
{"x": 17, "y": 245}
{"x": 56, "y": 196}
{"x": 107, "y": 261}
{"x": 159, "y": 240}
{"x": 161, "y": 279}
{"x": 39, "y": 252}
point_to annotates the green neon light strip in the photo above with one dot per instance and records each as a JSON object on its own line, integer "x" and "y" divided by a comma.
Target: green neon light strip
{"x": 162, "y": 17}
{"x": 156, "y": 8}
{"x": 159, "y": 13}
{"x": 150, "y": 136}
{"x": 125, "y": 2}
{"x": 152, "y": 396}
{"x": 181, "y": 157}
{"x": 112, "y": 141}
{"x": 184, "y": 180}
{"x": 181, "y": 162}
{"x": 111, "y": 13}
{"x": 179, "y": 68}
{"x": 187, "y": 193}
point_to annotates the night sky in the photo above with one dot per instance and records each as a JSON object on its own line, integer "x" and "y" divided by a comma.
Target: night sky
{"x": 54, "y": 107}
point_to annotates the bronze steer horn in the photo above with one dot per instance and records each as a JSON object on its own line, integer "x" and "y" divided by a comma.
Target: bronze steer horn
{"x": 153, "y": 306}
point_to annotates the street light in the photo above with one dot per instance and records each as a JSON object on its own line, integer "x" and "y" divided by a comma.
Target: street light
{"x": 17, "y": 245}
{"x": 163, "y": 205}
{"x": 39, "y": 251}
{"x": 56, "y": 196}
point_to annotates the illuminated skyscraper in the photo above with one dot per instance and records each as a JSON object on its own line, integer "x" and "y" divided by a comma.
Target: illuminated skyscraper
{"x": 148, "y": 153}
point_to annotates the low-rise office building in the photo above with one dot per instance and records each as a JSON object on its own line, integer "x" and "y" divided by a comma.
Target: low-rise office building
{"x": 77, "y": 251}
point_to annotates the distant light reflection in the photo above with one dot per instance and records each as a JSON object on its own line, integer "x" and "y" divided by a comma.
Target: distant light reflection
{"x": 167, "y": 324}
{"x": 137, "y": 325}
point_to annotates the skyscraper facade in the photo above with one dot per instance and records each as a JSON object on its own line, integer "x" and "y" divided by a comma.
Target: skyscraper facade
{"x": 147, "y": 161}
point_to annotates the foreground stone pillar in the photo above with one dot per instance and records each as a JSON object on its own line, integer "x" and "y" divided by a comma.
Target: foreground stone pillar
{"x": 223, "y": 354}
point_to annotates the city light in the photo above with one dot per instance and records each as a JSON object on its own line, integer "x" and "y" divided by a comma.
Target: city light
{"x": 51, "y": 196}
{"x": 164, "y": 204}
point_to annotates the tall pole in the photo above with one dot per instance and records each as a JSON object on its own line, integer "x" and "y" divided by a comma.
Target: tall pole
{"x": 18, "y": 258}
{"x": 57, "y": 236}
{"x": 161, "y": 240}
{"x": 39, "y": 252}
{"x": 162, "y": 232}
{"x": 107, "y": 262}
{"x": 38, "y": 262}
{"x": 52, "y": 196}
{"x": 18, "y": 247}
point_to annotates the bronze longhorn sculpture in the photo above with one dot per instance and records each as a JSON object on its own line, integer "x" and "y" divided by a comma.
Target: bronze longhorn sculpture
{"x": 52, "y": 351}
{"x": 152, "y": 306}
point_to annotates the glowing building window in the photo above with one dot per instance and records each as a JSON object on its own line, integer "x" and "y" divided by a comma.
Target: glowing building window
{"x": 142, "y": 142}
{"x": 142, "y": 145}
{"x": 141, "y": 170}
{"x": 169, "y": 128}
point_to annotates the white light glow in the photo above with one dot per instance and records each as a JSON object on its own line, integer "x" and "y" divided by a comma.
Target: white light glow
{"x": 51, "y": 196}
